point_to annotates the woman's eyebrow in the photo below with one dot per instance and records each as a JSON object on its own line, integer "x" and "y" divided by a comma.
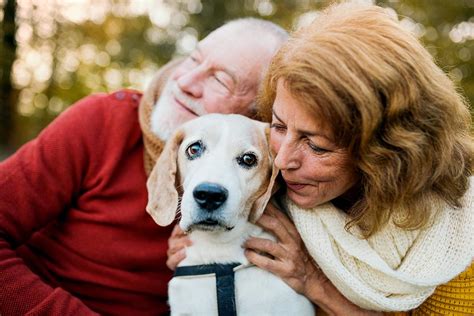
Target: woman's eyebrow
{"x": 305, "y": 132}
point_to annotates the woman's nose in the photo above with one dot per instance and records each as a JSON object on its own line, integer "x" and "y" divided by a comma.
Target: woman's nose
{"x": 191, "y": 82}
{"x": 287, "y": 156}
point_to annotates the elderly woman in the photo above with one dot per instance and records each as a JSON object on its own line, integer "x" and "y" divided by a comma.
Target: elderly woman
{"x": 374, "y": 147}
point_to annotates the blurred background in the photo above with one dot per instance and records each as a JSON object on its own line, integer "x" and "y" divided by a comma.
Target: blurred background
{"x": 54, "y": 52}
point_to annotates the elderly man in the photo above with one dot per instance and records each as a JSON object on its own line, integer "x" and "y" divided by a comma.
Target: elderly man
{"x": 74, "y": 235}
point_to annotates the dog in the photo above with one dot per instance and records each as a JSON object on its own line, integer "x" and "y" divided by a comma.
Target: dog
{"x": 217, "y": 172}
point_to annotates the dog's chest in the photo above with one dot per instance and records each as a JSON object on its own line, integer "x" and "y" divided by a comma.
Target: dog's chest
{"x": 257, "y": 292}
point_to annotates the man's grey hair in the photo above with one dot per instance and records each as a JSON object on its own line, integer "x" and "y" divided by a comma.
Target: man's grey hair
{"x": 260, "y": 27}
{"x": 263, "y": 26}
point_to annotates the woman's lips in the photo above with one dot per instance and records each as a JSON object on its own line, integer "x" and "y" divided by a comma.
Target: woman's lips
{"x": 295, "y": 186}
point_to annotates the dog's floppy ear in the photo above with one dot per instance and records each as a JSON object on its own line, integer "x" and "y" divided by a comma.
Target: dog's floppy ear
{"x": 161, "y": 184}
{"x": 259, "y": 205}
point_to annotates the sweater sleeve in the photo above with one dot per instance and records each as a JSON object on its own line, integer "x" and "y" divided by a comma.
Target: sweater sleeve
{"x": 37, "y": 184}
{"x": 453, "y": 298}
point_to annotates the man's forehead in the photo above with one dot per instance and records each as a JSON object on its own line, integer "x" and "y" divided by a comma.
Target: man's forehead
{"x": 237, "y": 52}
{"x": 227, "y": 29}
{"x": 230, "y": 38}
{"x": 241, "y": 38}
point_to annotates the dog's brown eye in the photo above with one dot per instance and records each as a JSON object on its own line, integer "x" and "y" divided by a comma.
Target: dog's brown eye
{"x": 247, "y": 160}
{"x": 194, "y": 150}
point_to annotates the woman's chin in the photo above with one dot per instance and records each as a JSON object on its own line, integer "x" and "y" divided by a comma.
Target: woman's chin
{"x": 304, "y": 202}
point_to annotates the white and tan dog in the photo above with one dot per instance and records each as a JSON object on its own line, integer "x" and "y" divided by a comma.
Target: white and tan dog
{"x": 217, "y": 170}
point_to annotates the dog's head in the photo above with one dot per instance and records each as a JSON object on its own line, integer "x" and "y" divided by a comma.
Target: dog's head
{"x": 217, "y": 169}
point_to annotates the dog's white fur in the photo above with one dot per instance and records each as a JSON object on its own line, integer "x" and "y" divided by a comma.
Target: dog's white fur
{"x": 226, "y": 138}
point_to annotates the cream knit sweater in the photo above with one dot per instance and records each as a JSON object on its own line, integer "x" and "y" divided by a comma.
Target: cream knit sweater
{"x": 394, "y": 269}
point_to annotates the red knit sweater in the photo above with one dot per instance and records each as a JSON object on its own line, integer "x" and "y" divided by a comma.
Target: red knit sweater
{"x": 74, "y": 235}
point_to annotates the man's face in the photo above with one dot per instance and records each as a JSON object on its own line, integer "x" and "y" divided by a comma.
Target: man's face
{"x": 220, "y": 76}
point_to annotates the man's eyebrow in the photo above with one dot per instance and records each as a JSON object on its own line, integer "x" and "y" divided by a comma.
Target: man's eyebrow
{"x": 304, "y": 132}
{"x": 229, "y": 72}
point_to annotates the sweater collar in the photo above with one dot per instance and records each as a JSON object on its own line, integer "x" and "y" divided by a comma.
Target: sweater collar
{"x": 153, "y": 145}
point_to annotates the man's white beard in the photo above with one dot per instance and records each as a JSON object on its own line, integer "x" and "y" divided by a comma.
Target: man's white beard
{"x": 165, "y": 117}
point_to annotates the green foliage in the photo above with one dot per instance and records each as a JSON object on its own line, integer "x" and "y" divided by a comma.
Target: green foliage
{"x": 62, "y": 58}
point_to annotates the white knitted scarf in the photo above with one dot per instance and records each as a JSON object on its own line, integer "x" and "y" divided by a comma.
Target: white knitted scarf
{"x": 394, "y": 269}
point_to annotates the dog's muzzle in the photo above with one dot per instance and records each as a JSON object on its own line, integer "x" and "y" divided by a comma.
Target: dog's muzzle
{"x": 210, "y": 196}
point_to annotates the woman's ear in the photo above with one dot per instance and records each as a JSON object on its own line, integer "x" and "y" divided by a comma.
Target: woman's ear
{"x": 162, "y": 194}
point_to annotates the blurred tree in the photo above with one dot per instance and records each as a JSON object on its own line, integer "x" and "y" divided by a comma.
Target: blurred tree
{"x": 7, "y": 57}
{"x": 69, "y": 50}
{"x": 447, "y": 29}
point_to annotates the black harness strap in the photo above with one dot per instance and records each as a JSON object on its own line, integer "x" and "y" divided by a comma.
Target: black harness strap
{"x": 224, "y": 283}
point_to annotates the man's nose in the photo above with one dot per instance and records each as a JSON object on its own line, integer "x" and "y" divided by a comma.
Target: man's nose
{"x": 191, "y": 82}
{"x": 288, "y": 156}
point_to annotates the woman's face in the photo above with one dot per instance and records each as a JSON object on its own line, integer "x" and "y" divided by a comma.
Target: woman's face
{"x": 314, "y": 168}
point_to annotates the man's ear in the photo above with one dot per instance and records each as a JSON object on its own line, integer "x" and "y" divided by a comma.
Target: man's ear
{"x": 259, "y": 205}
{"x": 162, "y": 194}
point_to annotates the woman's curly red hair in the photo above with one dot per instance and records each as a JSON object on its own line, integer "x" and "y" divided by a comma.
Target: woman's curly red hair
{"x": 400, "y": 116}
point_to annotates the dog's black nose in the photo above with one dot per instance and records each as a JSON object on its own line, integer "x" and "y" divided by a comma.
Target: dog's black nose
{"x": 210, "y": 196}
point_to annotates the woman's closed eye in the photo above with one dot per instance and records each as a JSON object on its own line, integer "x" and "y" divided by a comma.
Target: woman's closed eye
{"x": 316, "y": 149}
{"x": 280, "y": 128}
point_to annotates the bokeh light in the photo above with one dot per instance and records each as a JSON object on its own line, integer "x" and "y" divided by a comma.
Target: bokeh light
{"x": 67, "y": 49}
